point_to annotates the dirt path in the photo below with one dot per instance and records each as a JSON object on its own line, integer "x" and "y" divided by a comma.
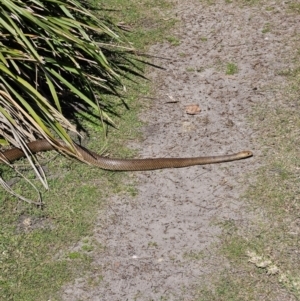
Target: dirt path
{"x": 160, "y": 242}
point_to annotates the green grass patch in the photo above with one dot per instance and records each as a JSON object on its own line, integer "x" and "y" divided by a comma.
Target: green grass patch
{"x": 190, "y": 69}
{"x": 231, "y": 69}
{"x": 267, "y": 28}
{"x": 173, "y": 40}
{"x": 147, "y": 21}
{"x": 294, "y": 7}
{"x": 38, "y": 252}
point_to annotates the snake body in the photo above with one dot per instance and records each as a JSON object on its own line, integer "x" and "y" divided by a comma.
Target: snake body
{"x": 95, "y": 159}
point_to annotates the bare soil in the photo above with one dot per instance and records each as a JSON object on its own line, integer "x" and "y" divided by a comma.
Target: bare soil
{"x": 159, "y": 243}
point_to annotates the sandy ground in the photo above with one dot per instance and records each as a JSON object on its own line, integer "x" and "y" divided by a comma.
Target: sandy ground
{"x": 160, "y": 242}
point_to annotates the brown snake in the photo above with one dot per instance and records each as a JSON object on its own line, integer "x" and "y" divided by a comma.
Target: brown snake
{"x": 94, "y": 159}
